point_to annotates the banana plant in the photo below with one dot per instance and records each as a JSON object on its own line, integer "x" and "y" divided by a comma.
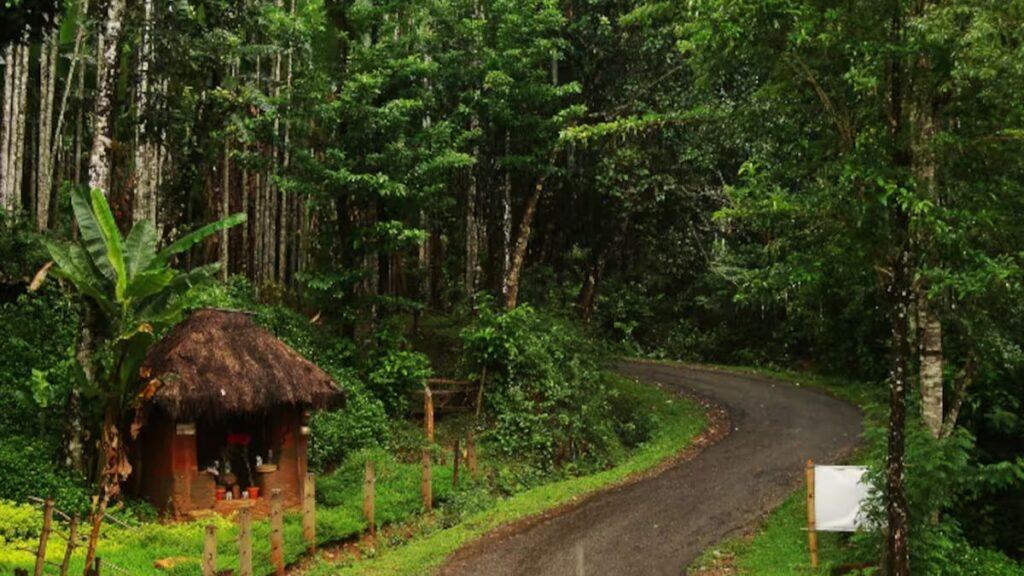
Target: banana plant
{"x": 130, "y": 281}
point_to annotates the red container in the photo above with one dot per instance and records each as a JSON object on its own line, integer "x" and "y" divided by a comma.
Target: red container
{"x": 254, "y": 492}
{"x": 221, "y": 491}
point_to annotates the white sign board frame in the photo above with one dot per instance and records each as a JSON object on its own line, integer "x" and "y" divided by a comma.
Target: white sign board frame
{"x": 840, "y": 494}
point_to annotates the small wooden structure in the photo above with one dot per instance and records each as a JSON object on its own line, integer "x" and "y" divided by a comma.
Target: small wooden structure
{"x": 223, "y": 391}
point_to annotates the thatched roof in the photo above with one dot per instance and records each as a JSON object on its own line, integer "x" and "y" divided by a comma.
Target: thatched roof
{"x": 220, "y": 362}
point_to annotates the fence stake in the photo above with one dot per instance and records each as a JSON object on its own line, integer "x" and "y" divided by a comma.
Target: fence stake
{"x": 44, "y": 536}
{"x": 210, "y": 551}
{"x": 276, "y": 532}
{"x": 309, "y": 512}
{"x": 471, "y": 453}
{"x": 812, "y": 534}
{"x": 369, "y": 496}
{"x": 72, "y": 537}
{"x": 245, "y": 542}
{"x": 426, "y": 485}
{"x": 456, "y": 457}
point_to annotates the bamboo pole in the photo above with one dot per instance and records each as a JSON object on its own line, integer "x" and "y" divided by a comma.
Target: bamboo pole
{"x": 276, "y": 532}
{"x": 812, "y": 534}
{"x": 210, "y": 551}
{"x": 370, "y": 496}
{"x": 44, "y": 536}
{"x": 245, "y": 542}
{"x": 309, "y": 512}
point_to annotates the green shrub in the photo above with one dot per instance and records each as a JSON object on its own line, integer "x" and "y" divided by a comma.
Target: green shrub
{"x": 27, "y": 468}
{"x": 361, "y": 424}
{"x": 546, "y": 398}
{"x": 395, "y": 374}
{"x": 19, "y": 521}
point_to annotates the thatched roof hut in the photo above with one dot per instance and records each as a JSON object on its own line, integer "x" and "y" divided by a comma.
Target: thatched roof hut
{"x": 225, "y": 391}
{"x": 219, "y": 362}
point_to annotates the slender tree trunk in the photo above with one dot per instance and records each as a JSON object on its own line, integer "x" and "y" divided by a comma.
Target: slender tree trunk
{"x": 48, "y": 55}
{"x": 145, "y": 194}
{"x": 109, "y": 37}
{"x": 472, "y": 234}
{"x": 6, "y": 163}
{"x": 506, "y": 223}
{"x": 898, "y": 555}
{"x": 21, "y": 115}
{"x": 225, "y": 209}
{"x": 931, "y": 362}
{"x": 522, "y": 243}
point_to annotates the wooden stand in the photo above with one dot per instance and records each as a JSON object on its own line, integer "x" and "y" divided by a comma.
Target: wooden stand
{"x": 812, "y": 534}
{"x": 44, "y": 536}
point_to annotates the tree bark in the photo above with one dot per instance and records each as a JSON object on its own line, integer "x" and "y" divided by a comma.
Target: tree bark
{"x": 48, "y": 54}
{"x": 522, "y": 243}
{"x": 898, "y": 555}
{"x": 472, "y": 233}
{"x": 145, "y": 193}
{"x": 225, "y": 209}
{"x": 931, "y": 366}
{"x": 109, "y": 37}
{"x": 21, "y": 115}
{"x": 6, "y": 163}
{"x": 75, "y": 63}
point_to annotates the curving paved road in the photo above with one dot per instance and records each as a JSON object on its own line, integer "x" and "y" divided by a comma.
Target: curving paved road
{"x": 658, "y": 526}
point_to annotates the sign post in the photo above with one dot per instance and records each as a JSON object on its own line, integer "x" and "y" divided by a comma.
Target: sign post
{"x": 812, "y": 530}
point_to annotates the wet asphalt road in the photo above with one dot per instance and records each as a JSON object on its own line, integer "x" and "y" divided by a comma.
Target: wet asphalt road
{"x": 660, "y": 525}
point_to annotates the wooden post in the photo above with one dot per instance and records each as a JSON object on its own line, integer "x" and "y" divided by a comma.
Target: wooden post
{"x": 426, "y": 485}
{"x": 812, "y": 534}
{"x": 210, "y": 551}
{"x": 370, "y": 496}
{"x": 456, "y": 456}
{"x": 276, "y": 532}
{"x": 44, "y": 536}
{"x": 245, "y": 542}
{"x": 471, "y": 453}
{"x": 72, "y": 537}
{"x": 96, "y": 566}
{"x": 428, "y": 413}
{"x": 309, "y": 512}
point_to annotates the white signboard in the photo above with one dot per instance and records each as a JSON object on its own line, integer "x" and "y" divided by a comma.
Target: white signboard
{"x": 840, "y": 492}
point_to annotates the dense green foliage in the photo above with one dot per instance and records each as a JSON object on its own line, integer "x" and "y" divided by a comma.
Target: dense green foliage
{"x": 809, "y": 184}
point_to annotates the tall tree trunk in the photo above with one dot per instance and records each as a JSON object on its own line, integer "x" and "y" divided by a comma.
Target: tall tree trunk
{"x": 225, "y": 209}
{"x": 522, "y": 243}
{"x": 145, "y": 194}
{"x": 48, "y": 54}
{"x": 898, "y": 554}
{"x": 7, "y": 124}
{"x": 472, "y": 234}
{"x": 109, "y": 37}
{"x": 931, "y": 366}
{"x": 21, "y": 116}
{"x": 506, "y": 223}
{"x": 923, "y": 131}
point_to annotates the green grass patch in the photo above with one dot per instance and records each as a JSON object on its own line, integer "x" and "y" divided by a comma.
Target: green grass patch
{"x": 678, "y": 421}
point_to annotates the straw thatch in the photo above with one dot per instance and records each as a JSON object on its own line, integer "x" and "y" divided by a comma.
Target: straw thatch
{"x": 220, "y": 362}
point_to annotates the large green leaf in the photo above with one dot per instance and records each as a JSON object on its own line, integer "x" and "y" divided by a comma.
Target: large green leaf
{"x": 91, "y": 234}
{"x": 149, "y": 282}
{"x": 192, "y": 238}
{"x": 75, "y": 266}
{"x": 111, "y": 239}
{"x": 139, "y": 248}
